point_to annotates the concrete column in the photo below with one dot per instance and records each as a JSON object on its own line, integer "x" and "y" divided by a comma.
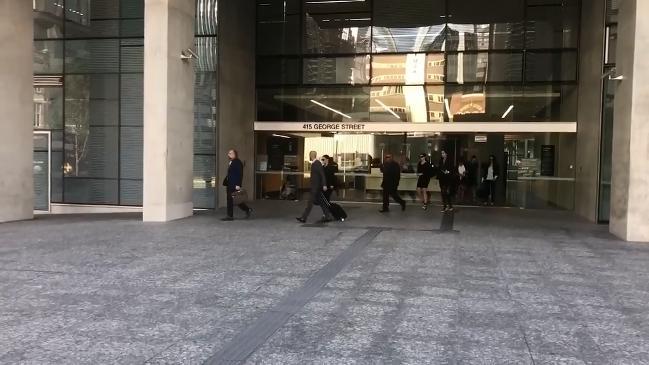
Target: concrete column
{"x": 16, "y": 110}
{"x": 630, "y": 183}
{"x": 589, "y": 119}
{"x": 236, "y": 89}
{"x": 168, "y": 110}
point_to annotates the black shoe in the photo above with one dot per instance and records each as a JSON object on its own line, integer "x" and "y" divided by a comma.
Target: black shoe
{"x": 227, "y": 219}
{"x": 248, "y": 213}
{"x": 301, "y": 220}
{"x": 384, "y": 210}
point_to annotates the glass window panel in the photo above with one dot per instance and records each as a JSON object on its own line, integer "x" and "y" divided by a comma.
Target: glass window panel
{"x": 131, "y": 8}
{"x": 328, "y": 6}
{"x": 131, "y": 152}
{"x": 132, "y": 28}
{"x": 91, "y": 100}
{"x": 90, "y": 191}
{"x": 206, "y": 17}
{"x": 207, "y": 51}
{"x": 482, "y": 25}
{"x": 91, "y": 151}
{"x": 94, "y": 29}
{"x": 92, "y": 56}
{"x": 484, "y": 67}
{"x": 78, "y": 11}
{"x": 435, "y": 98}
{"x": 408, "y": 26}
{"x": 409, "y": 69}
{"x": 130, "y": 192}
{"x": 611, "y": 44}
{"x": 48, "y": 57}
{"x": 132, "y": 58}
{"x": 48, "y": 19}
{"x": 279, "y": 36}
{"x": 274, "y": 70}
{"x": 551, "y": 66}
{"x": 48, "y": 108}
{"x": 205, "y": 113}
{"x": 466, "y": 103}
{"x": 314, "y": 104}
{"x": 612, "y": 10}
{"x": 103, "y": 9}
{"x": 552, "y": 26}
{"x": 395, "y": 103}
{"x": 340, "y": 70}
{"x": 435, "y": 66}
{"x": 337, "y": 33}
{"x": 272, "y": 9}
{"x": 546, "y": 103}
{"x": 132, "y": 100}
{"x": 57, "y": 175}
{"x": 204, "y": 179}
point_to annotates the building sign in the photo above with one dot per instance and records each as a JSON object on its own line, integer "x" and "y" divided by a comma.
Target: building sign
{"x": 334, "y": 127}
{"x": 481, "y": 138}
{"x": 547, "y": 160}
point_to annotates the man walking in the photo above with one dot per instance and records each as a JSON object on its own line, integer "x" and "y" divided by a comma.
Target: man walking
{"x": 391, "y": 176}
{"x": 318, "y": 187}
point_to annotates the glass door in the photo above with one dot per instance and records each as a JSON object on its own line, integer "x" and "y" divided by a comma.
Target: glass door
{"x": 41, "y": 169}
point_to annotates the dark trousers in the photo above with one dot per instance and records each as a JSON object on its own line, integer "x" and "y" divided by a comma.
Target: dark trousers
{"x": 315, "y": 197}
{"x": 328, "y": 193}
{"x": 491, "y": 184}
{"x": 447, "y": 195}
{"x": 391, "y": 192}
{"x": 241, "y": 206}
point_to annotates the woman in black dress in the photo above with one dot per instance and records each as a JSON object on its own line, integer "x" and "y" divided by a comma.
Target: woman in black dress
{"x": 425, "y": 172}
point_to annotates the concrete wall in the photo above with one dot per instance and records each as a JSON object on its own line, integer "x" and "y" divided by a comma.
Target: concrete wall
{"x": 236, "y": 88}
{"x": 16, "y": 110}
{"x": 168, "y": 110}
{"x": 591, "y": 63}
{"x": 630, "y": 182}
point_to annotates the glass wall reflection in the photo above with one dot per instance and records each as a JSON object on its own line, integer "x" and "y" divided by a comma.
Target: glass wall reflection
{"x": 502, "y": 60}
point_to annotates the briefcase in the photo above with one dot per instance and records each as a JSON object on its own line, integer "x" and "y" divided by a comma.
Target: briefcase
{"x": 239, "y": 197}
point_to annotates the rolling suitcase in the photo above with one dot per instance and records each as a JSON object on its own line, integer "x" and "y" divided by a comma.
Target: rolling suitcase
{"x": 336, "y": 210}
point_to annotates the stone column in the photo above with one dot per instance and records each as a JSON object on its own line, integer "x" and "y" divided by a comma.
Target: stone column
{"x": 168, "y": 110}
{"x": 16, "y": 110}
{"x": 236, "y": 89}
{"x": 630, "y": 183}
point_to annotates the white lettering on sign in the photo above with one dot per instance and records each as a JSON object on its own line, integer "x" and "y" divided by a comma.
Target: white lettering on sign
{"x": 333, "y": 126}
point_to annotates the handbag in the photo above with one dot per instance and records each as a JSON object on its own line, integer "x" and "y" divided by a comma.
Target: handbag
{"x": 239, "y": 196}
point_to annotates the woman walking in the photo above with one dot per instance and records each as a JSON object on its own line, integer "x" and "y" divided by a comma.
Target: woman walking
{"x": 233, "y": 183}
{"x": 425, "y": 172}
{"x": 446, "y": 177}
{"x": 489, "y": 177}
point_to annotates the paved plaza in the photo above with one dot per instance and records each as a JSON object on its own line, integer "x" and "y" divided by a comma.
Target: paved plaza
{"x": 482, "y": 286}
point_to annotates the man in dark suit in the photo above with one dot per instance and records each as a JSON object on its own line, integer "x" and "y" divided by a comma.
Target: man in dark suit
{"x": 318, "y": 187}
{"x": 391, "y": 176}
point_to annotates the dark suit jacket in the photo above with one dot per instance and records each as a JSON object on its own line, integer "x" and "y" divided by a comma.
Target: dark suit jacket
{"x": 446, "y": 178}
{"x": 318, "y": 179}
{"x": 235, "y": 174}
{"x": 330, "y": 174}
{"x": 391, "y": 175}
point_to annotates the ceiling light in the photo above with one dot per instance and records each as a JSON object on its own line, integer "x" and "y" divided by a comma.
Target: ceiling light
{"x": 281, "y": 136}
{"x": 332, "y": 109}
{"x": 509, "y": 110}
{"x": 388, "y": 109}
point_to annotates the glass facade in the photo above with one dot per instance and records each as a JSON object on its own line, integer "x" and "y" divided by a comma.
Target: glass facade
{"x": 88, "y": 91}
{"x": 417, "y": 61}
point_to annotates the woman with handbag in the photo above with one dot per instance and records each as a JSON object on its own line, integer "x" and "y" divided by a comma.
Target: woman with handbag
{"x": 232, "y": 183}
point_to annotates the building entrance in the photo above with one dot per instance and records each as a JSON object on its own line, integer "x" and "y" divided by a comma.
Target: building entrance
{"x": 282, "y": 166}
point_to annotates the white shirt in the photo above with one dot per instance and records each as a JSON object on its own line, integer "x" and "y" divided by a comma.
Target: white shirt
{"x": 462, "y": 170}
{"x": 490, "y": 173}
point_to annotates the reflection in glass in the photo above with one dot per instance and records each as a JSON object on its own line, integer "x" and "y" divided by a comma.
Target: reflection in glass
{"x": 275, "y": 70}
{"x": 398, "y": 104}
{"x": 48, "y": 19}
{"x": 339, "y": 70}
{"x": 207, "y": 50}
{"x": 337, "y": 33}
{"x": 552, "y": 26}
{"x": 551, "y": 66}
{"x": 48, "y": 108}
{"x": 206, "y": 17}
{"x": 484, "y": 67}
{"x": 419, "y": 39}
{"x": 435, "y": 99}
{"x": 48, "y": 57}
{"x": 279, "y": 36}
{"x": 472, "y": 37}
{"x": 91, "y": 56}
{"x": 90, "y": 191}
{"x": 410, "y": 69}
